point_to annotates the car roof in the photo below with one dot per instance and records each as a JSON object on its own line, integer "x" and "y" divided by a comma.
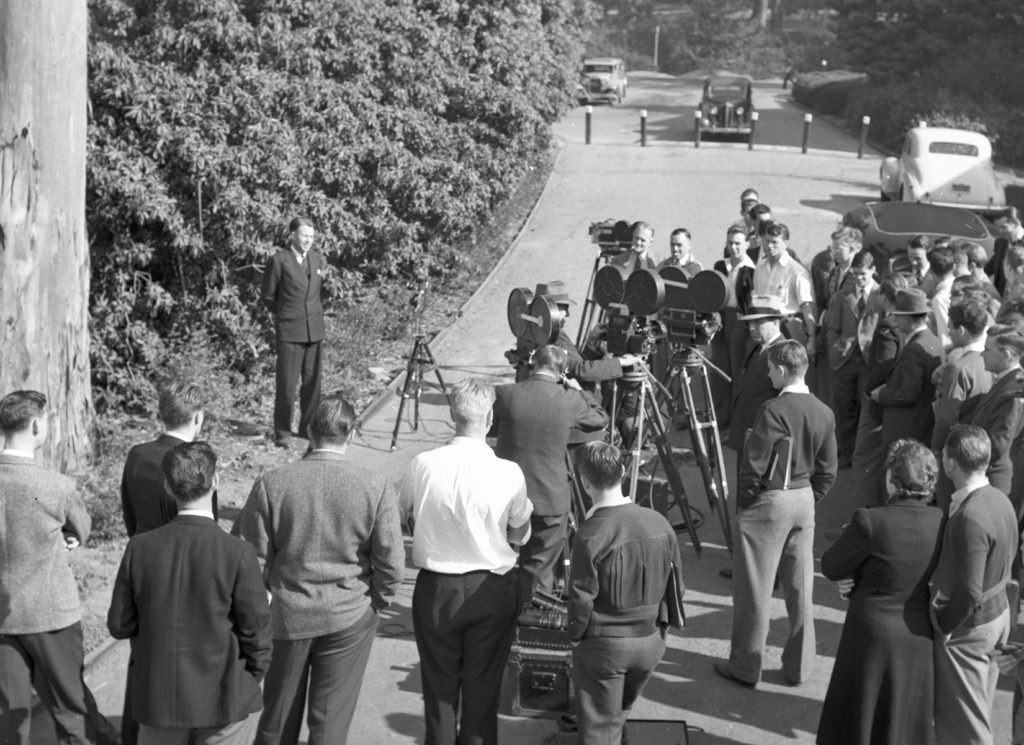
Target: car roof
{"x": 908, "y": 219}
{"x": 728, "y": 80}
{"x": 926, "y": 135}
{"x": 602, "y": 60}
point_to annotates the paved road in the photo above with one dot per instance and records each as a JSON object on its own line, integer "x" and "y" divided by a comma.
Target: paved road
{"x": 669, "y": 184}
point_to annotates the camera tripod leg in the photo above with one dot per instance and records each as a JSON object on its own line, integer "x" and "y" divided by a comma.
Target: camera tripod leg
{"x": 410, "y": 380}
{"x": 428, "y": 358}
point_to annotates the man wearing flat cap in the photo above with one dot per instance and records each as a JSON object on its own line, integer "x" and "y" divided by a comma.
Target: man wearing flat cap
{"x": 763, "y": 319}
{"x": 906, "y": 396}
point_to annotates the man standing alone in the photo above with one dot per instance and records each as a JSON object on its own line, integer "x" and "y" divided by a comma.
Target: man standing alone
{"x": 467, "y": 506}
{"x": 329, "y": 533}
{"x": 291, "y": 290}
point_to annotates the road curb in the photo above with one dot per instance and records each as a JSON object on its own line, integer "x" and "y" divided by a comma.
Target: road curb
{"x": 391, "y": 387}
{"x": 100, "y": 652}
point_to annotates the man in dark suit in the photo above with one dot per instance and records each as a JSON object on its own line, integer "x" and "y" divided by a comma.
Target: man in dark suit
{"x": 1001, "y": 411}
{"x": 908, "y": 393}
{"x": 638, "y": 256}
{"x": 191, "y": 599}
{"x": 328, "y": 531}
{"x": 788, "y": 464}
{"x": 763, "y": 320}
{"x": 729, "y": 347}
{"x": 1010, "y": 227}
{"x": 291, "y": 290}
{"x": 970, "y": 611}
{"x": 535, "y": 421}
{"x": 42, "y": 517}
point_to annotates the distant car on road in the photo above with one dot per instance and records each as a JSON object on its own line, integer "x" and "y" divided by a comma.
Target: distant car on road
{"x": 888, "y": 226}
{"x": 603, "y": 81}
{"x": 726, "y": 106}
{"x": 945, "y": 167}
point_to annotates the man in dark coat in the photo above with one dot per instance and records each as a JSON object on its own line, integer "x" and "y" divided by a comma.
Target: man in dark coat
{"x": 970, "y": 610}
{"x": 328, "y": 531}
{"x": 908, "y": 393}
{"x": 788, "y": 464}
{"x": 291, "y": 291}
{"x": 191, "y": 599}
{"x": 1001, "y": 411}
{"x": 763, "y": 319}
{"x": 534, "y": 421}
{"x": 729, "y": 346}
{"x": 1010, "y": 227}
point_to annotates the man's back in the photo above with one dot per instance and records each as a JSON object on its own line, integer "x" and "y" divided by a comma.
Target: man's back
{"x": 192, "y": 600}
{"x": 144, "y": 499}
{"x": 332, "y": 539}
{"x": 535, "y": 421}
{"x": 909, "y": 393}
{"x": 38, "y": 592}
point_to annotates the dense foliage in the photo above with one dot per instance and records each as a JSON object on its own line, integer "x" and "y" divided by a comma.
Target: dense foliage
{"x": 396, "y": 125}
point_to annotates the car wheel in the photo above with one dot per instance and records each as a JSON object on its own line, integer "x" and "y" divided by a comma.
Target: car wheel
{"x": 886, "y": 197}
{"x": 901, "y": 193}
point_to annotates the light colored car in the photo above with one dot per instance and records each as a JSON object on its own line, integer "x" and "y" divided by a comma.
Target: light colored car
{"x": 945, "y": 167}
{"x": 603, "y": 80}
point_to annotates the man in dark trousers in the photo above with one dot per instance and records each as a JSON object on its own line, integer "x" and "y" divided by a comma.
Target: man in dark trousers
{"x": 535, "y": 420}
{"x": 908, "y": 393}
{"x": 763, "y": 319}
{"x": 469, "y": 509}
{"x": 191, "y": 599}
{"x": 970, "y": 611}
{"x": 621, "y": 568}
{"x": 789, "y": 464}
{"x": 291, "y": 290}
{"x": 329, "y": 534}
{"x": 42, "y": 517}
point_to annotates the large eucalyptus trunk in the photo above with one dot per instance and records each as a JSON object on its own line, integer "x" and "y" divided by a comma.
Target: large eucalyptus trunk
{"x": 44, "y": 253}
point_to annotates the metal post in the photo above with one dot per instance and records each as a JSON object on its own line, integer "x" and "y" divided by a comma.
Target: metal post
{"x": 696, "y": 128}
{"x": 865, "y": 122}
{"x": 643, "y": 127}
{"x": 754, "y": 116}
{"x": 922, "y": 123}
{"x": 590, "y": 113}
{"x": 657, "y": 35}
{"x": 824, "y": 65}
{"x": 808, "y": 118}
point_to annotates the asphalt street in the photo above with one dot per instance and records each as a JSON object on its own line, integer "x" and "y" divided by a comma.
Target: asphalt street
{"x": 669, "y": 183}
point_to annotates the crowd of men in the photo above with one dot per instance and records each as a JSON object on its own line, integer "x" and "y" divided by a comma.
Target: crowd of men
{"x": 238, "y": 638}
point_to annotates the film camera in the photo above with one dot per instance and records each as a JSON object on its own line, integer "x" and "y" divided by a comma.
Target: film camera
{"x": 647, "y": 307}
{"x": 613, "y": 236}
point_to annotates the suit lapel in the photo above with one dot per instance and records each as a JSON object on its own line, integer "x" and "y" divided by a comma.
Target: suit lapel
{"x": 297, "y": 269}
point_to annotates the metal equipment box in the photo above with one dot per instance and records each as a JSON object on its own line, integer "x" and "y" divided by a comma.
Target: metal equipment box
{"x": 540, "y": 681}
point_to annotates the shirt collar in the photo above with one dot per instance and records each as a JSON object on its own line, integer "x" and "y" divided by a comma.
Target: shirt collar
{"x": 299, "y": 256}
{"x": 915, "y": 332}
{"x": 469, "y": 442}
{"x": 19, "y": 453}
{"x": 783, "y": 260}
{"x": 745, "y": 260}
{"x": 765, "y": 344}
{"x": 1006, "y": 372}
{"x": 795, "y": 388}
{"x": 196, "y": 513}
{"x": 976, "y": 482}
{"x": 618, "y": 501}
{"x": 978, "y": 345}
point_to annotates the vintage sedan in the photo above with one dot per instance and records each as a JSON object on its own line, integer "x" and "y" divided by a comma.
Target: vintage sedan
{"x": 726, "y": 106}
{"x": 946, "y": 167}
{"x": 889, "y": 226}
{"x": 603, "y": 80}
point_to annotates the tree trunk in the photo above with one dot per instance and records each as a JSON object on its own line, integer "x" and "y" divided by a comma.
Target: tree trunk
{"x": 44, "y": 253}
{"x": 777, "y": 14}
{"x": 759, "y": 12}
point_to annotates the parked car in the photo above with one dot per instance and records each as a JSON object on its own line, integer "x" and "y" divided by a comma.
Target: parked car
{"x": 889, "y": 226}
{"x": 726, "y": 106}
{"x": 946, "y": 167}
{"x": 603, "y": 80}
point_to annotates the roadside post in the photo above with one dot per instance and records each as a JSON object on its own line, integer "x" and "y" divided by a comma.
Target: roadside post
{"x": 754, "y": 116}
{"x": 643, "y": 127}
{"x": 590, "y": 114}
{"x": 865, "y": 122}
{"x": 696, "y": 128}
{"x": 808, "y": 118}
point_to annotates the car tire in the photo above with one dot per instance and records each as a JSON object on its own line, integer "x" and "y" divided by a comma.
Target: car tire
{"x": 885, "y": 197}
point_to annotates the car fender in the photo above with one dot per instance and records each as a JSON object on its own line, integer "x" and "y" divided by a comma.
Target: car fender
{"x": 889, "y": 176}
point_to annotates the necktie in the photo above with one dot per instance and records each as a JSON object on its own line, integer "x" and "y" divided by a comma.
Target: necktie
{"x": 860, "y": 304}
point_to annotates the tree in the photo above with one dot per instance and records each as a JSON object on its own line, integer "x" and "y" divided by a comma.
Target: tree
{"x": 44, "y": 260}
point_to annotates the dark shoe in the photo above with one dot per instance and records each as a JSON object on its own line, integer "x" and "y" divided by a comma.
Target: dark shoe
{"x": 282, "y": 442}
{"x": 723, "y": 669}
{"x": 726, "y": 573}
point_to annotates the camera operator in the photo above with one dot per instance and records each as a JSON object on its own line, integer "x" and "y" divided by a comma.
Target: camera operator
{"x": 637, "y": 257}
{"x": 535, "y": 420}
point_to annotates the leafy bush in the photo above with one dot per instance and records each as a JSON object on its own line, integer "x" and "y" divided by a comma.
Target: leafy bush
{"x": 828, "y": 92}
{"x": 395, "y": 126}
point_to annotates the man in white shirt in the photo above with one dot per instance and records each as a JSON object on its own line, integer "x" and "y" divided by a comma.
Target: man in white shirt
{"x": 467, "y": 506}
{"x": 779, "y": 274}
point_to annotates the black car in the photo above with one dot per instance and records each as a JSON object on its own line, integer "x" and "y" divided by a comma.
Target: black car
{"x": 726, "y": 106}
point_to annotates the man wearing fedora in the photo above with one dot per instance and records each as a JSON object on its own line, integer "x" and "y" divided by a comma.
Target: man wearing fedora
{"x": 907, "y": 395}
{"x": 763, "y": 319}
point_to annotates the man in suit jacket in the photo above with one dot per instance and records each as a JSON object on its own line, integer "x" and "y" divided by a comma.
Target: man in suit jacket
{"x": 535, "y": 420}
{"x": 729, "y": 347}
{"x": 846, "y": 347}
{"x": 1001, "y": 412}
{"x": 754, "y": 386}
{"x": 42, "y": 517}
{"x": 907, "y": 395}
{"x": 191, "y": 599}
{"x": 1010, "y": 226}
{"x": 291, "y": 290}
{"x": 788, "y": 464}
{"x": 638, "y": 257}
{"x": 145, "y": 502}
{"x": 969, "y": 603}
{"x": 963, "y": 379}
{"x": 328, "y": 531}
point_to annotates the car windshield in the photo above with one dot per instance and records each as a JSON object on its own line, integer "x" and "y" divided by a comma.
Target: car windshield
{"x": 597, "y": 68}
{"x": 953, "y": 148}
{"x": 727, "y": 91}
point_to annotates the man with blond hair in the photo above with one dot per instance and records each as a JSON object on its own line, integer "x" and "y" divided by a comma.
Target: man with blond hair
{"x": 468, "y": 508}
